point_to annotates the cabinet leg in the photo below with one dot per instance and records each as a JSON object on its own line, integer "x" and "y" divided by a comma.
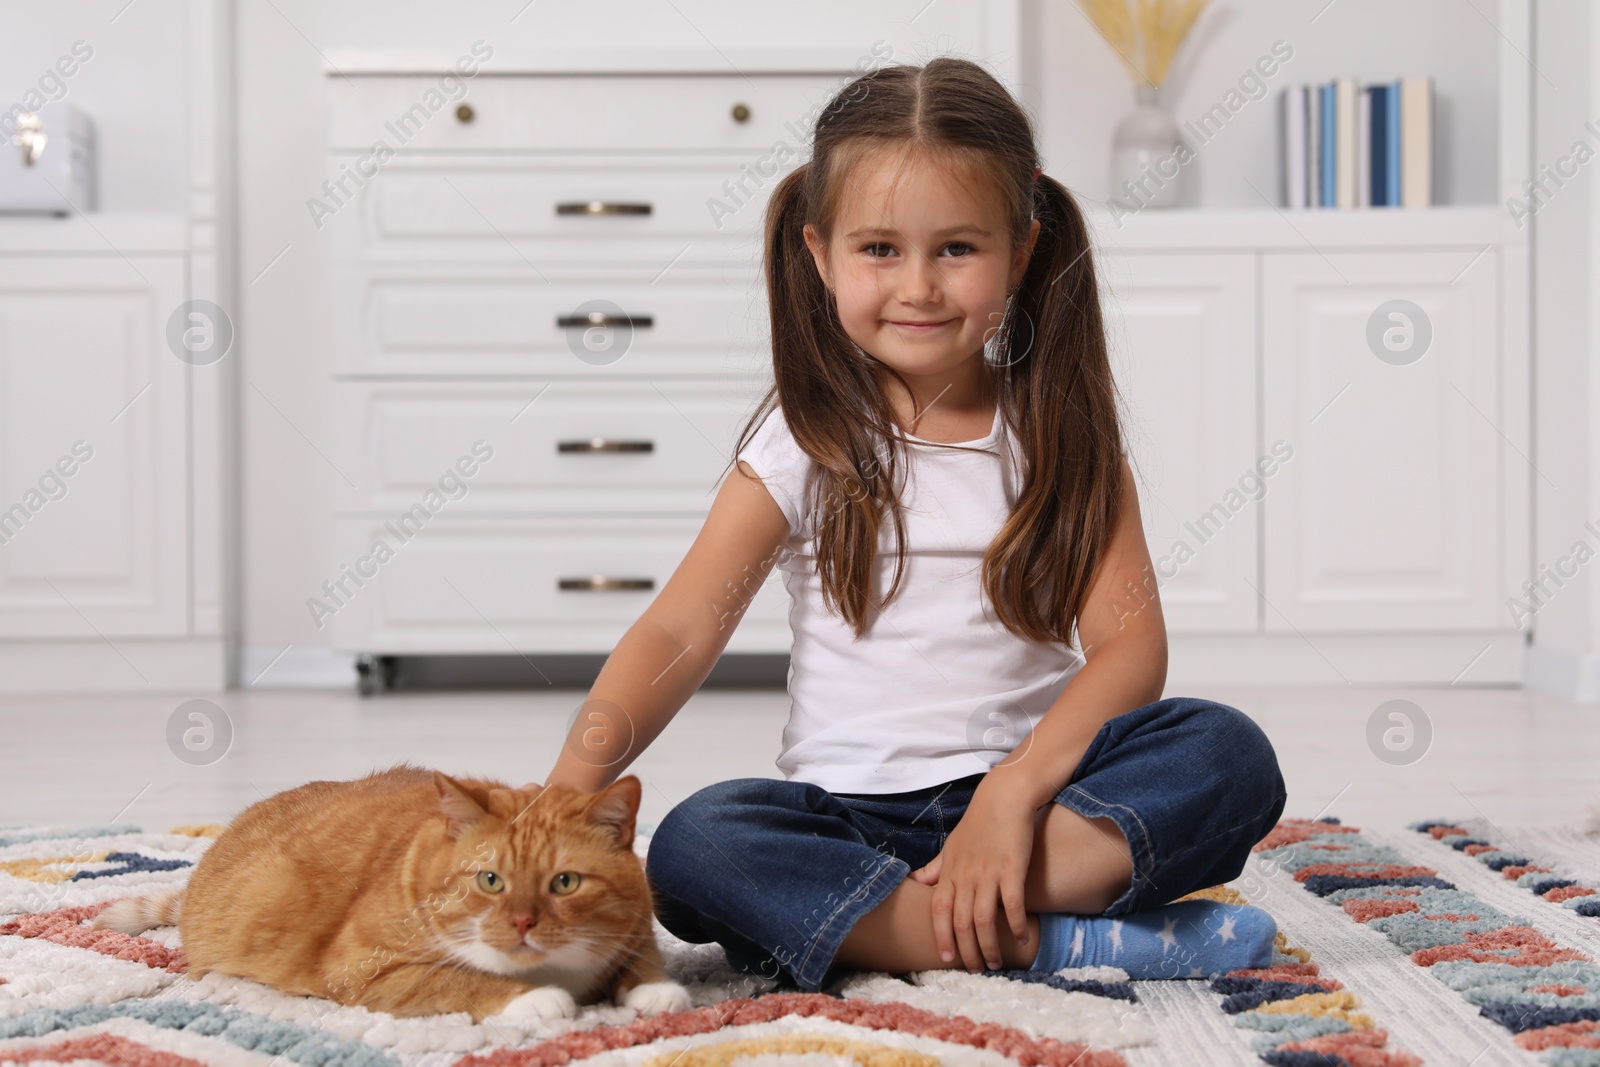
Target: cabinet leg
{"x": 366, "y": 674}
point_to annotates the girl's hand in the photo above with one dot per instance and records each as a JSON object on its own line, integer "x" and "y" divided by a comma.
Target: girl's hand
{"x": 984, "y": 858}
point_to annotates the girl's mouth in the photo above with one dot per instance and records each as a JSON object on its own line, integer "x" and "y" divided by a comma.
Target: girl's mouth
{"x": 921, "y": 327}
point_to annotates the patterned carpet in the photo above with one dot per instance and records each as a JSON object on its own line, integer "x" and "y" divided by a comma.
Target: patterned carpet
{"x": 1441, "y": 943}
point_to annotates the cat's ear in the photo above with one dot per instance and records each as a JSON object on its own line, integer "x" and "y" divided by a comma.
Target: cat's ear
{"x": 616, "y": 807}
{"x": 460, "y": 810}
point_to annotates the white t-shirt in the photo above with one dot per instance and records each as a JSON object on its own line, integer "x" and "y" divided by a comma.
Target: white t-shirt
{"x": 936, "y": 689}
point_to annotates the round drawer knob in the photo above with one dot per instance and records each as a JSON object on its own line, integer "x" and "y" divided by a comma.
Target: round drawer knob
{"x": 741, "y": 113}
{"x": 464, "y": 113}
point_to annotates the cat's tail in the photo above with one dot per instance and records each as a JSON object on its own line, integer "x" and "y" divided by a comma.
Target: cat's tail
{"x": 135, "y": 915}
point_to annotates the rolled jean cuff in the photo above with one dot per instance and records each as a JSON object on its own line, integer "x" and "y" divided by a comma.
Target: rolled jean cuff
{"x": 1138, "y": 838}
{"x": 817, "y": 959}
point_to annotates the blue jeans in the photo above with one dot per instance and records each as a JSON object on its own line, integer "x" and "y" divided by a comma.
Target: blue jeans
{"x": 778, "y": 872}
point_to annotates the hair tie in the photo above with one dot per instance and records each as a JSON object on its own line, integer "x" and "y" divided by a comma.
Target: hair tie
{"x": 1036, "y": 171}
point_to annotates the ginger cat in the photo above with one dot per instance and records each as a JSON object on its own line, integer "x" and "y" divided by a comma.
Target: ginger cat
{"x": 414, "y": 893}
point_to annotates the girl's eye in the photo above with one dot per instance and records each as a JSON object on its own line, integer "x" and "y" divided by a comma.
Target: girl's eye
{"x": 490, "y": 882}
{"x": 565, "y": 882}
{"x": 870, "y": 249}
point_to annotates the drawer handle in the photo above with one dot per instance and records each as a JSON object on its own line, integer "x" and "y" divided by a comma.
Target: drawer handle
{"x": 599, "y": 583}
{"x": 741, "y": 113}
{"x": 464, "y": 113}
{"x": 600, "y": 318}
{"x": 601, "y": 207}
{"x": 605, "y": 444}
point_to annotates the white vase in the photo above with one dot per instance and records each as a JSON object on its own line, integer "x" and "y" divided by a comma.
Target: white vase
{"x": 1147, "y": 155}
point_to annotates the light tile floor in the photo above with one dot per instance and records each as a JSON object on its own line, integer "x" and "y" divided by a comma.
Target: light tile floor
{"x": 1500, "y": 754}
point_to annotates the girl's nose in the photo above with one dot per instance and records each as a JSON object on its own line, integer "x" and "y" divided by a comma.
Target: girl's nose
{"x": 917, "y": 280}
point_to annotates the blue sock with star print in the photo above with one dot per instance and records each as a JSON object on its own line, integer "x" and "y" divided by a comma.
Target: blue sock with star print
{"x": 1185, "y": 939}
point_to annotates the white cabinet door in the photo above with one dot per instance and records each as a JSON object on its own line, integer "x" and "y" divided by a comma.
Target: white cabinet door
{"x": 1182, "y": 330}
{"x": 95, "y": 541}
{"x": 1380, "y": 371}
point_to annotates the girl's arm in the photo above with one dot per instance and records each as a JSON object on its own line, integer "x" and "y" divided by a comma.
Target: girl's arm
{"x": 663, "y": 657}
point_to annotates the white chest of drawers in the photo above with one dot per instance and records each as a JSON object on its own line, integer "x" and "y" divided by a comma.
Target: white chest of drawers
{"x": 468, "y": 263}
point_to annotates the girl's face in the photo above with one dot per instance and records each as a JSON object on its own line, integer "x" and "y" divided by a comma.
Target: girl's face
{"x": 920, "y": 274}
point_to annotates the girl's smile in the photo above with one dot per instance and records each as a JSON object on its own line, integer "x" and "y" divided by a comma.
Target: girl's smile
{"x": 922, "y": 327}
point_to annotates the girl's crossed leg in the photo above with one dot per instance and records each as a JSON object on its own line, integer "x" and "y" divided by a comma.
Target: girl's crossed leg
{"x": 790, "y": 878}
{"x": 1078, "y": 864}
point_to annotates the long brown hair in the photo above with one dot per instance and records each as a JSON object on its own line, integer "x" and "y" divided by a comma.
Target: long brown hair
{"x": 1050, "y": 370}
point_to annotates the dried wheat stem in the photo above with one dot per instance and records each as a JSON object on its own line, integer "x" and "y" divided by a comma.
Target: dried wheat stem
{"x": 1145, "y": 34}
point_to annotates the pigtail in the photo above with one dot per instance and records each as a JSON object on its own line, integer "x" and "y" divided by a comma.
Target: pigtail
{"x": 792, "y": 296}
{"x": 1038, "y": 570}
{"x": 798, "y": 301}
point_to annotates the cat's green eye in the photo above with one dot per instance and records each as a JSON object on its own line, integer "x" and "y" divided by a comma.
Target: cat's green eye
{"x": 565, "y": 882}
{"x": 490, "y": 882}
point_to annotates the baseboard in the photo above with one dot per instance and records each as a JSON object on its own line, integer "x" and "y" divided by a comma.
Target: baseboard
{"x": 295, "y": 667}
{"x": 1569, "y": 675}
{"x": 1194, "y": 660}
{"x": 1500, "y": 659}
{"x": 312, "y": 667}
{"x": 122, "y": 665}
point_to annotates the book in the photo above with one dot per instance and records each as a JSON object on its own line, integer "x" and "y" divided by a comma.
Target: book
{"x": 1293, "y": 115}
{"x": 1330, "y": 142}
{"x": 1416, "y": 142}
{"x": 1344, "y": 90}
{"x": 1364, "y": 148}
{"x": 1391, "y": 185}
{"x": 1378, "y": 148}
{"x": 1313, "y": 147}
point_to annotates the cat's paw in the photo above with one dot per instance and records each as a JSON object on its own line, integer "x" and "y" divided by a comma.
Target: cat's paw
{"x": 653, "y": 998}
{"x": 125, "y": 916}
{"x": 543, "y": 1004}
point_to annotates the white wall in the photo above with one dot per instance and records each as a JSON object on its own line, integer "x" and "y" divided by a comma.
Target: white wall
{"x": 1565, "y": 656}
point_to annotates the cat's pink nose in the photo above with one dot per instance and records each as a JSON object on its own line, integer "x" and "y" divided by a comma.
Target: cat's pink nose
{"x": 522, "y": 923}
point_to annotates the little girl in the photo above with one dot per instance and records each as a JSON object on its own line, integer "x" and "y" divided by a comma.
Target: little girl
{"x": 961, "y": 787}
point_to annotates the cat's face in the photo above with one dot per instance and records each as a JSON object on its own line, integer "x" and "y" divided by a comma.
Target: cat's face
{"x": 539, "y": 880}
